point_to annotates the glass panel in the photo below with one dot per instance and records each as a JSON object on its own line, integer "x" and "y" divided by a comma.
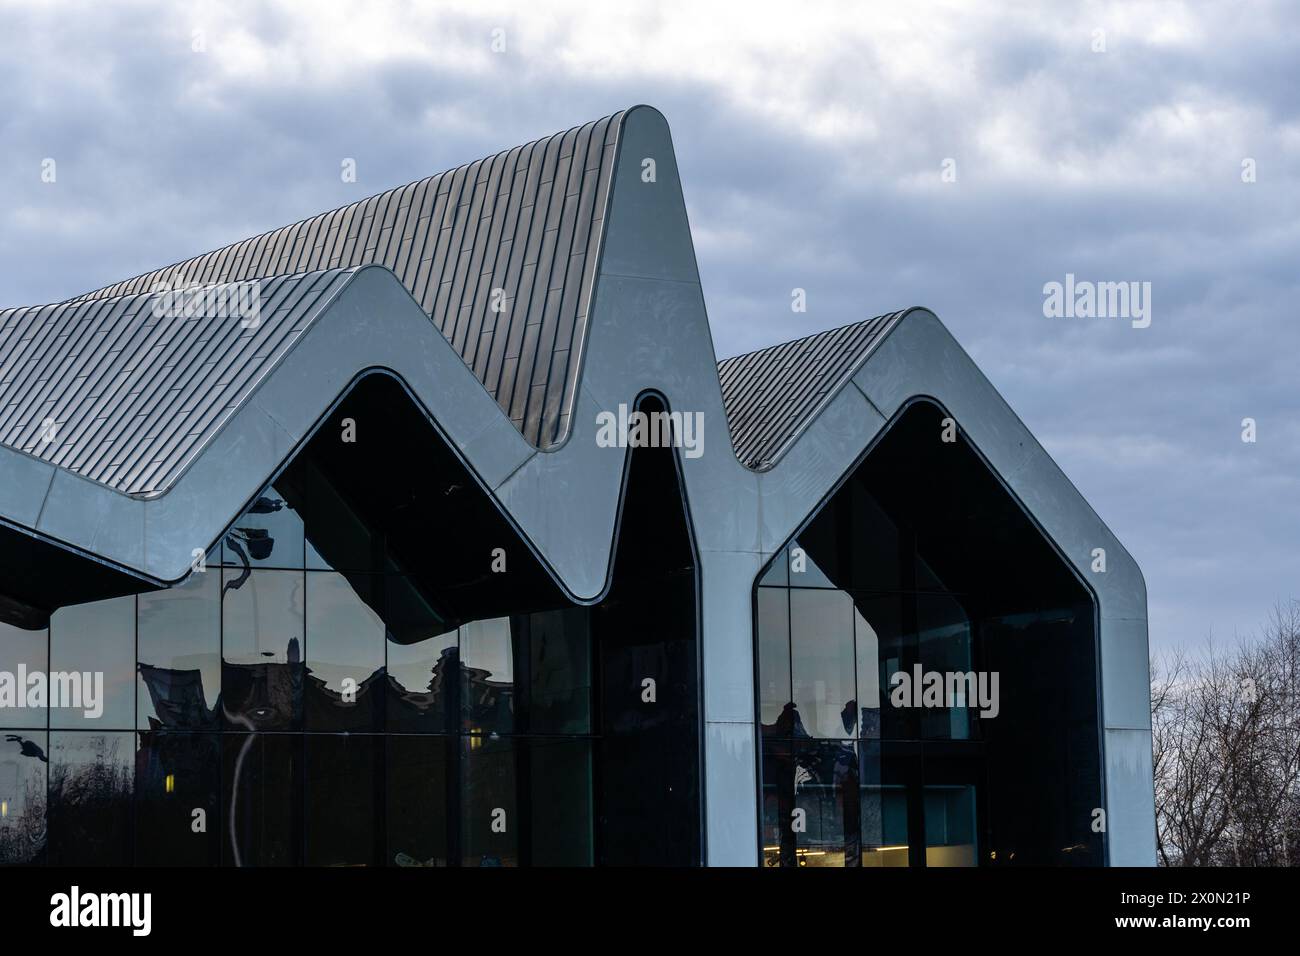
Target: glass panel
{"x": 91, "y": 779}
{"x": 944, "y": 642}
{"x": 774, "y": 661}
{"x": 950, "y": 826}
{"x": 343, "y": 794}
{"x": 418, "y": 782}
{"x": 826, "y": 804}
{"x": 778, "y": 572}
{"x": 262, "y": 806}
{"x": 180, "y": 655}
{"x": 556, "y": 774}
{"x": 884, "y": 826}
{"x": 345, "y": 653}
{"x": 778, "y": 803}
{"x": 177, "y": 789}
{"x": 23, "y": 655}
{"x": 821, "y": 638}
{"x": 804, "y": 572}
{"x": 489, "y": 811}
{"x": 422, "y": 685}
{"x": 92, "y": 664}
{"x": 268, "y": 535}
{"x": 262, "y": 633}
{"x": 24, "y": 758}
{"x": 867, "y": 655}
{"x": 559, "y": 662}
{"x": 337, "y": 537}
{"x": 488, "y": 676}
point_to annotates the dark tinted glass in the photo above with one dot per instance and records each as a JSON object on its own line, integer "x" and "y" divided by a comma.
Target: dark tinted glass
{"x": 555, "y": 774}
{"x": 559, "y": 672}
{"x": 177, "y": 800}
{"x": 419, "y": 794}
{"x": 489, "y": 808}
{"x": 344, "y": 795}
{"x": 91, "y": 781}
{"x": 262, "y": 799}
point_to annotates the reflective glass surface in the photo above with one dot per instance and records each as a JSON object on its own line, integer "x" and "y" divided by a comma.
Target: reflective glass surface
{"x": 90, "y": 788}
{"x": 177, "y": 799}
{"x": 24, "y": 759}
{"x": 92, "y": 665}
{"x": 23, "y": 656}
{"x": 345, "y": 653}
{"x": 262, "y": 649}
{"x": 924, "y": 660}
{"x": 180, "y": 655}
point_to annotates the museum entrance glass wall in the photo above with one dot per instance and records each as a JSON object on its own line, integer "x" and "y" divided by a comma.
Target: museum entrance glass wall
{"x": 927, "y": 674}
{"x": 371, "y": 668}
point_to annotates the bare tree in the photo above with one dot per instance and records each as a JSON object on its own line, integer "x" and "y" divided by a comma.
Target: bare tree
{"x": 1226, "y": 751}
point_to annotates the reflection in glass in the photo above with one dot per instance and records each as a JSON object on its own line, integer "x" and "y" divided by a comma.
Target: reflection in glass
{"x": 778, "y": 834}
{"x": 422, "y": 684}
{"x": 91, "y": 777}
{"x": 90, "y": 643}
{"x": 418, "y": 779}
{"x": 261, "y": 799}
{"x": 180, "y": 655}
{"x": 773, "y": 654}
{"x": 262, "y": 634}
{"x": 177, "y": 774}
{"x": 24, "y": 760}
{"x": 826, "y": 797}
{"x": 268, "y": 535}
{"x": 487, "y": 676}
{"x": 22, "y": 654}
{"x": 345, "y": 653}
{"x": 342, "y": 783}
{"x": 822, "y": 665}
{"x": 559, "y": 672}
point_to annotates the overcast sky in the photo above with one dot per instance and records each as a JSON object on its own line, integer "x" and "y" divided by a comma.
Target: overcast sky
{"x": 1103, "y": 140}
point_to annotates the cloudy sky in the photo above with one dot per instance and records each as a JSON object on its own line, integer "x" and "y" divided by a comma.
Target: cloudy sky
{"x": 1104, "y": 140}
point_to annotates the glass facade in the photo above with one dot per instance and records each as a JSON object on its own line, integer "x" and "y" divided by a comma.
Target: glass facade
{"x": 345, "y": 691}
{"x": 926, "y": 664}
{"x": 268, "y": 728}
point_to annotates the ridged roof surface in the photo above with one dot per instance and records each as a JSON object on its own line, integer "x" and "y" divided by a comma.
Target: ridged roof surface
{"x": 772, "y": 393}
{"x": 110, "y": 390}
{"x": 526, "y": 221}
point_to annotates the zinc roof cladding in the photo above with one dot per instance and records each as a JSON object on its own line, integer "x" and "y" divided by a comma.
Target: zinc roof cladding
{"x": 500, "y": 253}
{"x": 124, "y": 392}
{"x": 770, "y": 394}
